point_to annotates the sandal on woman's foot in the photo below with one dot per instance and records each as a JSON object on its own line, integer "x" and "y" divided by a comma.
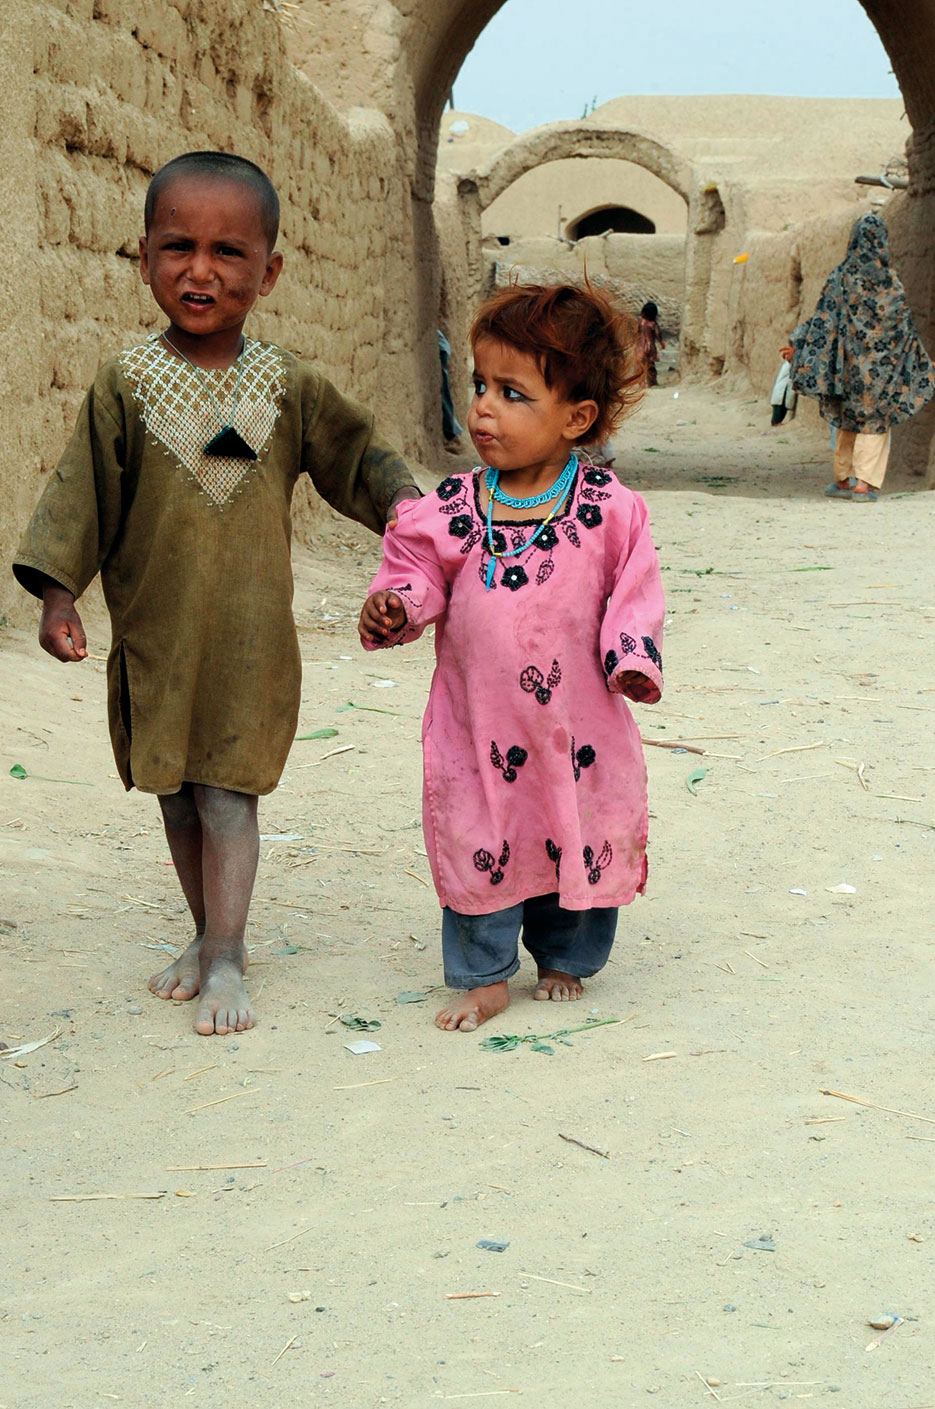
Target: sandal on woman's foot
{"x": 839, "y": 489}
{"x": 865, "y": 496}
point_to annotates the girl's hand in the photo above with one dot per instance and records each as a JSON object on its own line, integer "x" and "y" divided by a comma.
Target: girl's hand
{"x": 636, "y": 685}
{"x": 382, "y": 615}
{"x": 60, "y": 630}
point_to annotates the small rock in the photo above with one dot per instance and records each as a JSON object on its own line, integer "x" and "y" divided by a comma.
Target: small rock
{"x": 492, "y": 1245}
{"x": 296, "y": 1297}
{"x": 882, "y": 1323}
{"x": 135, "y": 1011}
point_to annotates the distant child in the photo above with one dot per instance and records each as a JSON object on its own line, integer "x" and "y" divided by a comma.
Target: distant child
{"x": 542, "y": 579}
{"x": 648, "y": 334}
{"x": 176, "y": 486}
{"x": 783, "y": 397}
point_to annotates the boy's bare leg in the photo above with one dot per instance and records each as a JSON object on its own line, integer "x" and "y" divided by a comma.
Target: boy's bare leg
{"x": 229, "y": 855}
{"x": 474, "y": 1007}
{"x": 182, "y": 979}
{"x": 559, "y": 986}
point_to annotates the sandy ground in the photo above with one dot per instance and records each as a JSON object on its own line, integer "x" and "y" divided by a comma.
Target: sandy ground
{"x": 281, "y": 1222}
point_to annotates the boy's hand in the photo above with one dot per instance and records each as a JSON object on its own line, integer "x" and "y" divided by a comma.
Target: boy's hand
{"x": 408, "y": 491}
{"x": 383, "y": 614}
{"x": 60, "y": 630}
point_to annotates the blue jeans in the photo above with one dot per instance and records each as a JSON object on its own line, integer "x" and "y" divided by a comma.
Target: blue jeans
{"x": 482, "y": 949}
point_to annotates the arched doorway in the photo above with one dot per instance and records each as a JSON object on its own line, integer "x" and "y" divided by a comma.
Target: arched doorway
{"x": 702, "y": 256}
{"x": 609, "y": 220}
{"x": 443, "y": 32}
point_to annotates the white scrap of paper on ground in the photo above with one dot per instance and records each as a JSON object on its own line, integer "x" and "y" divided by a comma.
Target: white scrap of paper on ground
{"x": 280, "y": 836}
{"x": 383, "y": 684}
{"x": 363, "y": 1045}
{"x": 842, "y": 889}
{"x": 797, "y": 890}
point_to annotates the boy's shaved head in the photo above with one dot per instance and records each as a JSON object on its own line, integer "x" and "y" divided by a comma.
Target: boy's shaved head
{"x": 218, "y": 166}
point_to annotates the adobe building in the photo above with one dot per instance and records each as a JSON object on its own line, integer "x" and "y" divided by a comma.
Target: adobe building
{"x": 342, "y": 102}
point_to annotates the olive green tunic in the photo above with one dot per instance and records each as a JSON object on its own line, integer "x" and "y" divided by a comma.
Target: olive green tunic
{"x": 204, "y": 672}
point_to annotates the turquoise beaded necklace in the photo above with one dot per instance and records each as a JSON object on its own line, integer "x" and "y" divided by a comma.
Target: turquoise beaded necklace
{"x": 558, "y": 491}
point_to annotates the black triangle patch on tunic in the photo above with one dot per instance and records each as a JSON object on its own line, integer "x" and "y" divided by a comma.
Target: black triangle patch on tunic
{"x": 230, "y": 444}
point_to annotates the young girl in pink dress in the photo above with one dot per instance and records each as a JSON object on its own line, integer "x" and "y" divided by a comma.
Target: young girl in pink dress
{"x": 541, "y": 577}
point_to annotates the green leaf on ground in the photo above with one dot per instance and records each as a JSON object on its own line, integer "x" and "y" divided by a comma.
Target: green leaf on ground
{"x": 318, "y": 734}
{"x": 361, "y": 1024}
{"x": 411, "y": 997}
{"x": 18, "y": 771}
{"x": 537, "y": 1042}
{"x": 694, "y": 778}
{"x": 372, "y": 709}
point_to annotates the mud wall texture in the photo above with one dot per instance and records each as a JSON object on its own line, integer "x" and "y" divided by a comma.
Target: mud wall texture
{"x": 550, "y": 199}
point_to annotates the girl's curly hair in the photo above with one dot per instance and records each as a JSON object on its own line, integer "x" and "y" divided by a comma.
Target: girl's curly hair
{"x": 581, "y": 344}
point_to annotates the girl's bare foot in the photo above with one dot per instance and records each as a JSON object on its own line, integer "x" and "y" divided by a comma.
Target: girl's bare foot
{"x": 561, "y": 988}
{"x": 181, "y": 980}
{"x": 474, "y": 1007}
{"x": 224, "y": 1005}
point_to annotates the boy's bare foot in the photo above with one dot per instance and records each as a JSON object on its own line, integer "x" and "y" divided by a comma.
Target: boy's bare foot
{"x": 224, "y": 1005}
{"x": 474, "y": 1007}
{"x": 181, "y": 980}
{"x": 561, "y": 988}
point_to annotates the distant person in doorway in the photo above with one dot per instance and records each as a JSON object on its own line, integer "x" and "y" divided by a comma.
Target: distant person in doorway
{"x": 451, "y": 427}
{"x": 860, "y": 354}
{"x": 649, "y": 334}
{"x": 783, "y": 398}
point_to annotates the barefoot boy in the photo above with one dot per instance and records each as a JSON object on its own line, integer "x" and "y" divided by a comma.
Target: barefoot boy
{"x": 176, "y": 486}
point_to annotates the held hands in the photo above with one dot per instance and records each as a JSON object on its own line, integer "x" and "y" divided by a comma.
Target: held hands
{"x": 60, "y": 630}
{"x": 382, "y": 615}
{"x": 409, "y": 491}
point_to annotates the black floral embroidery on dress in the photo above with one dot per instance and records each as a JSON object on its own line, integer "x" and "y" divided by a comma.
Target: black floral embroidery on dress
{"x": 595, "y": 868}
{"x": 473, "y": 538}
{"x": 581, "y": 758}
{"x": 519, "y": 535}
{"x": 460, "y": 526}
{"x": 484, "y": 861}
{"x": 554, "y": 854}
{"x": 449, "y": 488}
{"x": 590, "y": 515}
{"x": 515, "y": 758}
{"x": 535, "y": 683}
{"x": 649, "y": 646}
{"x": 514, "y": 577}
{"x": 612, "y": 660}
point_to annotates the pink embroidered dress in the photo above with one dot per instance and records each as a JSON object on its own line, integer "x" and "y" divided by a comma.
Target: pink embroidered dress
{"x": 534, "y": 779}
